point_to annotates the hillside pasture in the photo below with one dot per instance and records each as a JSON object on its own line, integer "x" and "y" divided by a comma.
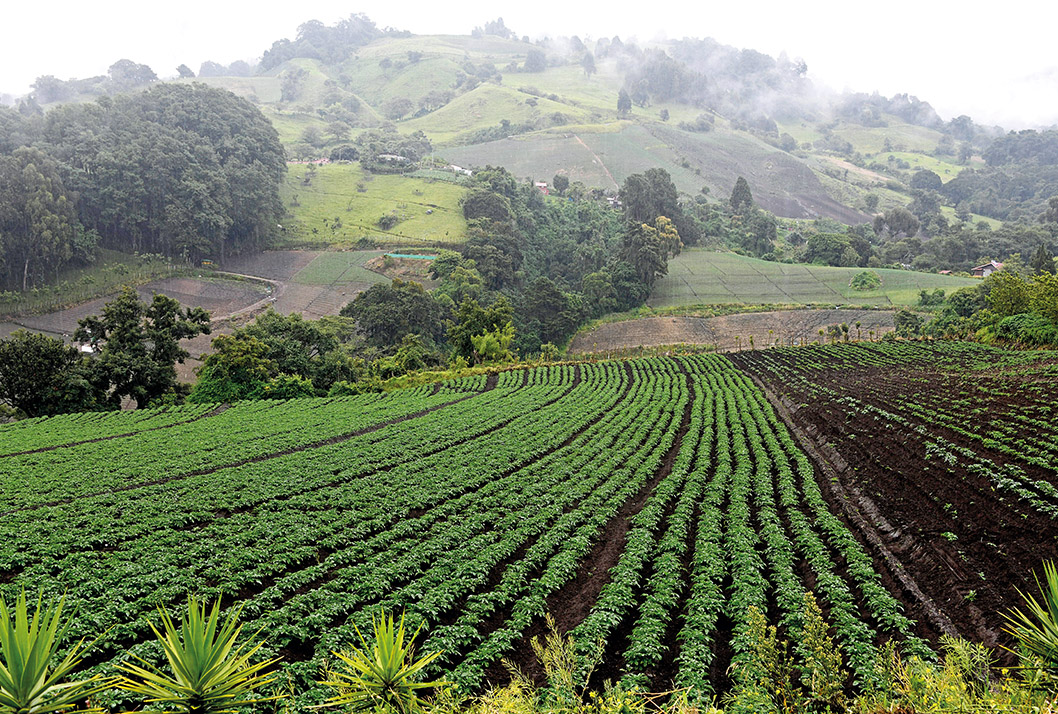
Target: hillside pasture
{"x": 699, "y": 276}
{"x": 485, "y": 107}
{"x": 946, "y": 168}
{"x": 341, "y": 204}
{"x": 902, "y": 136}
{"x": 603, "y": 157}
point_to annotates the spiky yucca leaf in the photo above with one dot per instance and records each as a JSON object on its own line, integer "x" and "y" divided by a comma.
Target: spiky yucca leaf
{"x": 381, "y": 677}
{"x": 27, "y": 647}
{"x": 1037, "y": 630}
{"x": 210, "y": 673}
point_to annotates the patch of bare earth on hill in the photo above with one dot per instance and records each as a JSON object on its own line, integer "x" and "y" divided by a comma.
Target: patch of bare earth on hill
{"x": 279, "y": 265}
{"x": 218, "y": 296}
{"x": 414, "y": 269}
{"x": 732, "y": 332}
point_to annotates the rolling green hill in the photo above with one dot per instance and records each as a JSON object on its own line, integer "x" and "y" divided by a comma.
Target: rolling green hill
{"x": 566, "y": 122}
{"x": 488, "y": 105}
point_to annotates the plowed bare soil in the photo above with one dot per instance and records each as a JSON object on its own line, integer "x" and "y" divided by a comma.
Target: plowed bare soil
{"x": 732, "y": 332}
{"x": 968, "y": 547}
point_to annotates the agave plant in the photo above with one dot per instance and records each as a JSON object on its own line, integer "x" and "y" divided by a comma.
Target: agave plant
{"x": 27, "y": 647}
{"x": 381, "y": 677}
{"x": 1037, "y": 630}
{"x": 211, "y": 673}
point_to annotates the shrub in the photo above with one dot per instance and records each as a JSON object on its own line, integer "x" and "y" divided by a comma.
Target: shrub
{"x": 866, "y": 280}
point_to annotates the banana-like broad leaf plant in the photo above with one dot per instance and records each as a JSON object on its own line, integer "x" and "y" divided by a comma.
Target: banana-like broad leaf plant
{"x": 210, "y": 672}
{"x": 28, "y": 683}
{"x": 1037, "y": 629}
{"x": 381, "y": 677}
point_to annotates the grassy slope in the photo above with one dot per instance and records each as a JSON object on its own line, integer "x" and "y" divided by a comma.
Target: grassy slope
{"x": 333, "y": 194}
{"x": 485, "y": 107}
{"x": 699, "y": 276}
{"x": 908, "y": 137}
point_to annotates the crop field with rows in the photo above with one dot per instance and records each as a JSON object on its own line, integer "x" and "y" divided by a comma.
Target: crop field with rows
{"x": 947, "y": 450}
{"x": 646, "y": 504}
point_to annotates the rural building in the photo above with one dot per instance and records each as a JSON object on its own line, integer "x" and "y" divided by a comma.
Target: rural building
{"x": 983, "y": 271}
{"x": 542, "y": 185}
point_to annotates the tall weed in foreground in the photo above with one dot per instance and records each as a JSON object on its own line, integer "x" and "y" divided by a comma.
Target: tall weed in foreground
{"x": 774, "y": 680}
{"x": 30, "y": 683}
{"x": 1036, "y": 629}
{"x": 381, "y": 677}
{"x": 962, "y": 682}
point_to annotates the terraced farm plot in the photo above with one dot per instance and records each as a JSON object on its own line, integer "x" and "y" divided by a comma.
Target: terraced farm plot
{"x": 647, "y": 504}
{"x": 702, "y": 277}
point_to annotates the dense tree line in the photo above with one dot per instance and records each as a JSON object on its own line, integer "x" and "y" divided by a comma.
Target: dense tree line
{"x": 133, "y": 348}
{"x": 1007, "y": 306}
{"x": 329, "y": 44}
{"x": 122, "y": 76}
{"x": 531, "y": 271}
{"x": 1020, "y": 177}
{"x": 185, "y": 171}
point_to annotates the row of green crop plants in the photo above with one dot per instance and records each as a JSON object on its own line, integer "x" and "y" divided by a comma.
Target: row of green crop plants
{"x": 311, "y": 554}
{"x": 470, "y": 508}
{"x": 309, "y": 537}
{"x": 749, "y": 497}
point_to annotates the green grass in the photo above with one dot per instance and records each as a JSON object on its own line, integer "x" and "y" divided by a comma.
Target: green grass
{"x": 339, "y": 267}
{"x": 947, "y": 169}
{"x": 376, "y": 84}
{"x": 975, "y": 218}
{"x": 291, "y": 123}
{"x": 485, "y": 107}
{"x": 800, "y": 130}
{"x": 904, "y": 137}
{"x": 333, "y": 194}
{"x": 699, "y": 276}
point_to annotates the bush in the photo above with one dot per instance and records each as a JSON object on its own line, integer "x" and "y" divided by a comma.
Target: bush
{"x": 1028, "y": 328}
{"x": 867, "y": 280}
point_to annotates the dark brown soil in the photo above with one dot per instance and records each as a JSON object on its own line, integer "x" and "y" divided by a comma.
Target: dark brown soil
{"x": 953, "y": 548}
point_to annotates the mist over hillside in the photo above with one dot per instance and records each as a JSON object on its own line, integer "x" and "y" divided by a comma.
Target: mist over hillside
{"x": 590, "y": 113}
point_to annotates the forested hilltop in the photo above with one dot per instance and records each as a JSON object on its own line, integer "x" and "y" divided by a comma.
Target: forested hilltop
{"x": 188, "y": 172}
